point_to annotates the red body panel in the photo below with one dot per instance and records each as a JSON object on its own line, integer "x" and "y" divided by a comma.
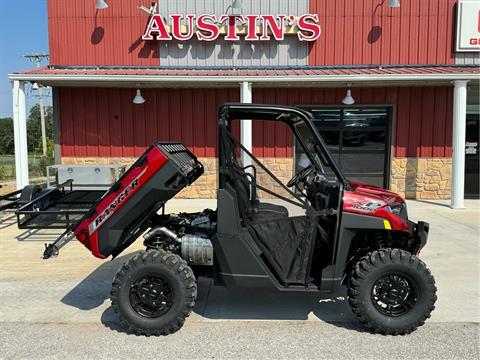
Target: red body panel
{"x": 87, "y": 231}
{"x": 373, "y": 201}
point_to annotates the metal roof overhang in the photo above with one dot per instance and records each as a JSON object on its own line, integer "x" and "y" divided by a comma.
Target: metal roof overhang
{"x": 145, "y": 81}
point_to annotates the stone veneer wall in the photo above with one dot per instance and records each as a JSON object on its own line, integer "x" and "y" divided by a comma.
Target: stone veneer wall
{"x": 206, "y": 186}
{"x": 421, "y": 178}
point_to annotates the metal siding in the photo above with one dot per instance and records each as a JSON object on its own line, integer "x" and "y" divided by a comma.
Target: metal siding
{"x": 104, "y": 122}
{"x": 114, "y": 127}
{"x": 419, "y": 32}
{"x": 472, "y": 58}
{"x": 225, "y": 53}
{"x": 423, "y": 117}
{"x": 80, "y": 35}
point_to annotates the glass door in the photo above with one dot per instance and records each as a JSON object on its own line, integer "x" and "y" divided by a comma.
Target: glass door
{"x": 472, "y": 157}
{"x": 359, "y": 140}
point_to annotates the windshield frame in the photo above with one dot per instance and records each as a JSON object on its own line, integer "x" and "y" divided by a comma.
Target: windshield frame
{"x": 319, "y": 147}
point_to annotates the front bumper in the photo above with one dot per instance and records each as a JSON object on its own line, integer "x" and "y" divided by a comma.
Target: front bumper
{"x": 419, "y": 233}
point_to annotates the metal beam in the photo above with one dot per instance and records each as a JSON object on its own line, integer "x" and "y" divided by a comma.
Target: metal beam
{"x": 246, "y": 125}
{"x": 458, "y": 143}
{"x": 20, "y": 133}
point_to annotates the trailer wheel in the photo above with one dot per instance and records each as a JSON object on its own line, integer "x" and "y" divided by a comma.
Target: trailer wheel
{"x": 391, "y": 291}
{"x": 153, "y": 293}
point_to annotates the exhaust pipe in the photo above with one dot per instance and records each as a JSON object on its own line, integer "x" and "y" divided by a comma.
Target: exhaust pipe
{"x": 162, "y": 230}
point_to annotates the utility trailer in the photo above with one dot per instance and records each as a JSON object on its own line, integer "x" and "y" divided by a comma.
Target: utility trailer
{"x": 61, "y": 202}
{"x": 346, "y": 234}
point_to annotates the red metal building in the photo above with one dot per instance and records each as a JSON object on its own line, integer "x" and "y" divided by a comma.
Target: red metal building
{"x": 413, "y": 78}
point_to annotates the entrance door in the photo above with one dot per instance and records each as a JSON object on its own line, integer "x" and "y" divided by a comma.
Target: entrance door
{"x": 359, "y": 140}
{"x": 472, "y": 157}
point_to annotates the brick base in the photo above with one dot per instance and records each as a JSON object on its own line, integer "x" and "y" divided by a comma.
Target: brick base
{"x": 206, "y": 185}
{"x": 422, "y": 178}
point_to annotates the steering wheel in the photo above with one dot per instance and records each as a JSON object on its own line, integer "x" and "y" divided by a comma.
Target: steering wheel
{"x": 301, "y": 176}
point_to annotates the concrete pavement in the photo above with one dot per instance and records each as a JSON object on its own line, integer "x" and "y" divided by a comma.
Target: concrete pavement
{"x": 67, "y": 298}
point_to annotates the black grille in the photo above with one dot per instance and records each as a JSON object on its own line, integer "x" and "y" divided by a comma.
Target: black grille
{"x": 180, "y": 155}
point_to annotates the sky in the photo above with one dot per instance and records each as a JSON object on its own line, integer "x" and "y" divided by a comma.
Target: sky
{"x": 23, "y": 30}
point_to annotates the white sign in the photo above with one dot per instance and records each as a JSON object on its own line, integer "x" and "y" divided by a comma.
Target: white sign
{"x": 468, "y": 25}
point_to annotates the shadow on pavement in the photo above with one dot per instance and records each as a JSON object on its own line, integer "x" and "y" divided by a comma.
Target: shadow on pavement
{"x": 7, "y": 221}
{"x": 92, "y": 291}
{"x": 219, "y": 303}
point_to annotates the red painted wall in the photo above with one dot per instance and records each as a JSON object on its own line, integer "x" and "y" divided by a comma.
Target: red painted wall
{"x": 423, "y": 117}
{"x": 353, "y": 32}
{"x": 104, "y": 122}
{"x": 80, "y": 35}
{"x": 364, "y": 32}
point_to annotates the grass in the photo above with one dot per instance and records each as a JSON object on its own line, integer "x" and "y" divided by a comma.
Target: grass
{"x": 36, "y": 165}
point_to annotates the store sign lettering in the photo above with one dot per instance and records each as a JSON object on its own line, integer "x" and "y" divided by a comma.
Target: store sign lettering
{"x": 208, "y": 27}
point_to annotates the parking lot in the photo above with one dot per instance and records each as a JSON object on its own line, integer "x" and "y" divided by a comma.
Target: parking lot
{"x": 60, "y": 308}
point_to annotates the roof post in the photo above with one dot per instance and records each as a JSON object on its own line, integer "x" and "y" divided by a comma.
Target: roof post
{"x": 246, "y": 125}
{"x": 458, "y": 143}
{"x": 20, "y": 133}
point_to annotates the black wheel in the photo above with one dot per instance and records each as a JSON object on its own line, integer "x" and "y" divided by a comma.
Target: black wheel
{"x": 154, "y": 292}
{"x": 391, "y": 291}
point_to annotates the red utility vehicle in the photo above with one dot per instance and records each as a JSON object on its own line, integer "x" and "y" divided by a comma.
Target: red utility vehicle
{"x": 341, "y": 233}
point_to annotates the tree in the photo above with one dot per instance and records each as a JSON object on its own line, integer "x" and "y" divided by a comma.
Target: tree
{"x": 7, "y": 144}
{"x": 34, "y": 132}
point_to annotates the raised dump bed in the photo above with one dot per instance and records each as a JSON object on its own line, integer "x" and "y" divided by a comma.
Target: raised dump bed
{"x": 108, "y": 224}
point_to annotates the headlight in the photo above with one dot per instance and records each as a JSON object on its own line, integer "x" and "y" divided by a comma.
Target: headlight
{"x": 399, "y": 210}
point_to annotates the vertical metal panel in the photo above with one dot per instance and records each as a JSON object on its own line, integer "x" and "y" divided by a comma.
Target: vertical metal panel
{"x": 114, "y": 127}
{"x": 225, "y": 53}
{"x": 419, "y": 32}
{"x": 472, "y": 58}
{"x": 80, "y": 35}
{"x": 423, "y": 117}
{"x": 104, "y": 122}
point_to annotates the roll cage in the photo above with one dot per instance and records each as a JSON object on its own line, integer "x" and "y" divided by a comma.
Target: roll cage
{"x": 292, "y": 117}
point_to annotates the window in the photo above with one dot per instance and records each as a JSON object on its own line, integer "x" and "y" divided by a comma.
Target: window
{"x": 358, "y": 139}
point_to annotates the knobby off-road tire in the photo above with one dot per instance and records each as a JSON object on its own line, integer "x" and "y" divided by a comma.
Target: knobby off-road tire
{"x": 154, "y": 292}
{"x": 391, "y": 291}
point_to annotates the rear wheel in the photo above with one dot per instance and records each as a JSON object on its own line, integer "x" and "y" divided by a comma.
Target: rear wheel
{"x": 154, "y": 292}
{"x": 391, "y": 291}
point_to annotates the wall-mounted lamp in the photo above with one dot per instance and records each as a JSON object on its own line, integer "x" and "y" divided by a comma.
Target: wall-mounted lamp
{"x": 101, "y": 4}
{"x": 138, "y": 99}
{"x": 393, "y": 3}
{"x": 236, "y": 6}
{"x": 349, "y": 100}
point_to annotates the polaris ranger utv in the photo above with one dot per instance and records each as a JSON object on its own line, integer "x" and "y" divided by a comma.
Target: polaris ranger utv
{"x": 346, "y": 234}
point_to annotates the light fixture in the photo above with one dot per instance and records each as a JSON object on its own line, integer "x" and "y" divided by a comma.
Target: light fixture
{"x": 138, "y": 99}
{"x": 237, "y": 5}
{"x": 348, "y": 100}
{"x": 35, "y": 86}
{"x": 393, "y": 3}
{"x": 101, "y": 4}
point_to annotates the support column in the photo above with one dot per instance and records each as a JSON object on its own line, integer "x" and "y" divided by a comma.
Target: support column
{"x": 246, "y": 125}
{"x": 458, "y": 143}
{"x": 20, "y": 133}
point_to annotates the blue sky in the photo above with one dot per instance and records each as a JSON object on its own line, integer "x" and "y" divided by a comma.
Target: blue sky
{"x": 23, "y": 30}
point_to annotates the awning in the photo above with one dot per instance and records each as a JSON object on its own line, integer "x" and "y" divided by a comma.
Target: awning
{"x": 362, "y": 75}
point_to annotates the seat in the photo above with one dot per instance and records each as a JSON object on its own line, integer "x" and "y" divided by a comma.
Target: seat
{"x": 250, "y": 208}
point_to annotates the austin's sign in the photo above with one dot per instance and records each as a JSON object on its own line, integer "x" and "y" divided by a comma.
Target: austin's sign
{"x": 232, "y": 27}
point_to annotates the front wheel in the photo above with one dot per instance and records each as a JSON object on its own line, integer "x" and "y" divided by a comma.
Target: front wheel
{"x": 154, "y": 292}
{"x": 391, "y": 291}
